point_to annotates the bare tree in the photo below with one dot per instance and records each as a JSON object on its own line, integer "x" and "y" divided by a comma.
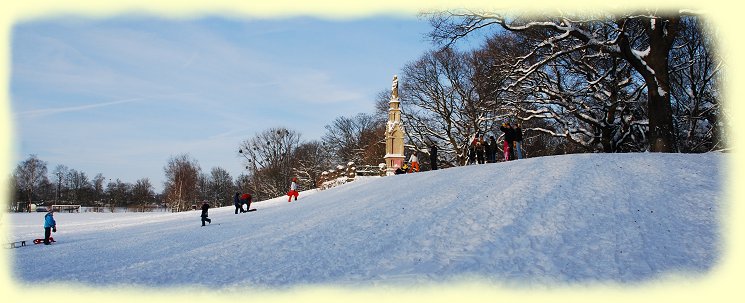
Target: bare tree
{"x": 203, "y": 187}
{"x": 382, "y": 104}
{"x": 30, "y": 175}
{"x": 60, "y": 172}
{"x": 269, "y": 161}
{"x": 142, "y": 191}
{"x": 119, "y": 193}
{"x": 310, "y": 160}
{"x": 441, "y": 104}
{"x": 45, "y": 192}
{"x": 357, "y": 139}
{"x": 77, "y": 182}
{"x": 14, "y": 194}
{"x": 180, "y": 189}
{"x": 644, "y": 40}
{"x": 592, "y": 101}
{"x": 221, "y": 186}
{"x": 695, "y": 79}
{"x": 98, "y": 187}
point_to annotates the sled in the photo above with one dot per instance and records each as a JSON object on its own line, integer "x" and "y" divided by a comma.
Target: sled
{"x": 17, "y": 244}
{"x": 40, "y": 241}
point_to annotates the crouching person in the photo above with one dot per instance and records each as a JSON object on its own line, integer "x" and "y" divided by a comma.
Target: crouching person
{"x": 49, "y": 226}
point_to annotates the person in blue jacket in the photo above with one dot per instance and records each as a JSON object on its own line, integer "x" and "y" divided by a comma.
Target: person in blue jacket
{"x": 49, "y": 226}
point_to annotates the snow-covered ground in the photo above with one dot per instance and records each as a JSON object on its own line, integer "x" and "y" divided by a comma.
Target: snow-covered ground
{"x": 620, "y": 219}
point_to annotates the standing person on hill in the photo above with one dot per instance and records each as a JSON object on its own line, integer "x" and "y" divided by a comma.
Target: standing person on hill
{"x": 49, "y": 226}
{"x": 237, "y": 202}
{"x": 508, "y": 139}
{"x": 433, "y": 157}
{"x": 293, "y": 190}
{"x": 205, "y": 207}
{"x": 472, "y": 152}
{"x": 518, "y": 132}
{"x": 480, "y": 149}
{"x": 414, "y": 163}
{"x": 491, "y": 150}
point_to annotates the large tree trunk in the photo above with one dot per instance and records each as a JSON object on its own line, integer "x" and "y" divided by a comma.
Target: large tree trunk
{"x": 661, "y": 130}
{"x": 654, "y": 69}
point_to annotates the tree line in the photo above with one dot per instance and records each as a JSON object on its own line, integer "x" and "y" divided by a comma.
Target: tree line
{"x": 272, "y": 158}
{"x": 31, "y": 182}
{"x": 642, "y": 81}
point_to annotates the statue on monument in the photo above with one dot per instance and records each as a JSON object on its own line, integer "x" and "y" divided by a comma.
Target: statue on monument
{"x": 394, "y": 88}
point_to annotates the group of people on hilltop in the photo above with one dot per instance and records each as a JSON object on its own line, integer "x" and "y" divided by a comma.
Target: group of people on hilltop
{"x": 485, "y": 151}
{"x": 480, "y": 150}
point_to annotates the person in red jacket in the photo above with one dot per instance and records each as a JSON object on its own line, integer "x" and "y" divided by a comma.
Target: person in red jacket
{"x": 245, "y": 200}
{"x": 293, "y": 191}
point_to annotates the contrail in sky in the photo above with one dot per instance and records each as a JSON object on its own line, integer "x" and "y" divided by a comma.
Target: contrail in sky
{"x": 191, "y": 59}
{"x": 51, "y": 111}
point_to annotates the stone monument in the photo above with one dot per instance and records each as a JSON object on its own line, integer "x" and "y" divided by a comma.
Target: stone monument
{"x": 394, "y": 134}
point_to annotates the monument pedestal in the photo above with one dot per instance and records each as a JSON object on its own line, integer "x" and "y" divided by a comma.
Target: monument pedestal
{"x": 392, "y": 162}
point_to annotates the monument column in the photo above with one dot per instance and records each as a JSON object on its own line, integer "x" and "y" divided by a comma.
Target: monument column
{"x": 394, "y": 135}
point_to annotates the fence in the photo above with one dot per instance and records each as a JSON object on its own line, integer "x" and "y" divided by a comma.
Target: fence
{"x": 131, "y": 209}
{"x": 343, "y": 174}
{"x": 66, "y": 207}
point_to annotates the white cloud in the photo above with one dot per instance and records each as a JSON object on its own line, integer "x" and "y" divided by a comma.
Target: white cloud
{"x": 316, "y": 87}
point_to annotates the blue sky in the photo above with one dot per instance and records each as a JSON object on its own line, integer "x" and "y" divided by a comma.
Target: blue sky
{"x": 120, "y": 96}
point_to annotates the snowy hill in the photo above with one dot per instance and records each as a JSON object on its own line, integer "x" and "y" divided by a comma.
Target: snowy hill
{"x": 562, "y": 220}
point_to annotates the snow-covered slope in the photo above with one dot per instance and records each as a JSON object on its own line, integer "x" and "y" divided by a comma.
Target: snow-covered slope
{"x": 562, "y": 220}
